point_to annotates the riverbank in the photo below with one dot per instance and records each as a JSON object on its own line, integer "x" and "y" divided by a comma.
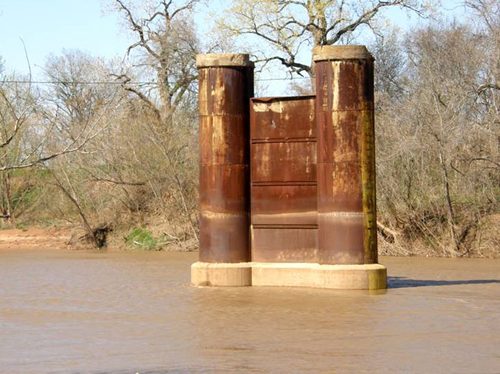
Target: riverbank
{"x": 35, "y": 238}
{"x": 71, "y": 237}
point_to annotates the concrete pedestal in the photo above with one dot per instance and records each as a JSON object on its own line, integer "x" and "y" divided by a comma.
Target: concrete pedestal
{"x": 221, "y": 274}
{"x": 345, "y": 277}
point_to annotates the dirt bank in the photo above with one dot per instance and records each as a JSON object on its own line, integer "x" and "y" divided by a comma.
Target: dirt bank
{"x": 35, "y": 238}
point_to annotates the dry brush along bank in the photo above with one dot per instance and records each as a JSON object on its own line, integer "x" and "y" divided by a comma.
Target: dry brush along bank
{"x": 124, "y": 157}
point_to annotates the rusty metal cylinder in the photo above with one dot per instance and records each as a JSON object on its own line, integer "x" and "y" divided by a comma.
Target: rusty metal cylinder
{"x": 345, "y": 155}
{"x": 225, "y": 89}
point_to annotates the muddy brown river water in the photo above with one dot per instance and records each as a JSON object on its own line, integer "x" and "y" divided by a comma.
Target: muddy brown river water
{"x": 84, "y": 312}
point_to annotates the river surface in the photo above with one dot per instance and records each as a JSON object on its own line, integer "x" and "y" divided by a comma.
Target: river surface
{"x": 85, "y": 312}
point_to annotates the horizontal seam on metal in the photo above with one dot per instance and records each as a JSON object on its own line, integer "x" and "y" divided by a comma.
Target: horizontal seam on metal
{"x": 243, "y": 116}
{"x": 225, "y": 164}
{"x": 348, "y": 110}
{"x": 285, "y": 183}
{"x": 284, "y": 226}
{"x": 284, "y": 140}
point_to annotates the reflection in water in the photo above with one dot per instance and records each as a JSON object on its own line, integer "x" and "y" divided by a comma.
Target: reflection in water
{"x": 135, "y": 312}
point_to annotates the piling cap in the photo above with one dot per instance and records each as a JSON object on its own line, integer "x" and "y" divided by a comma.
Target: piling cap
{"x": 341, "y": 52}
{"x": 224, "y": 60}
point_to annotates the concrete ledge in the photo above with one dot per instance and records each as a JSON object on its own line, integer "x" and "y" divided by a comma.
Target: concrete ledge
{"x": 342, "y": 277}
{"x": 223, "y": 59}
{"x": 221, "y": 274}
{"x": 341, "y": 52}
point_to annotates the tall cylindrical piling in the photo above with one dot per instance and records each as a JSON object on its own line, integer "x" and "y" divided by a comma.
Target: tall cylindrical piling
{"x": 225, "y": 89}
{"x": 346, "y": 155}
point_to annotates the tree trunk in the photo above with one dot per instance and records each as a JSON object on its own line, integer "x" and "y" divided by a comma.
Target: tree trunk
{"x": 449, "y": 204}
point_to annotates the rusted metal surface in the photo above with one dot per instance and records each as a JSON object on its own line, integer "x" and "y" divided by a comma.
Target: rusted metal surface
{"x": 224, "y": 93}
{"x": 284, "y": 243}
{"x": 281, "y": 203}
{"x": 346, "y": 161}
{"x": 283, "y": 179}
{"x": 283, "y": 118}
{"x": 303, "y": 166}
{"x": 284, "y": 160}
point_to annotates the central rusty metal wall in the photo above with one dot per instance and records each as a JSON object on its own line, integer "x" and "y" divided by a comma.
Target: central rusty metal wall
{"x": 283, "y": 179}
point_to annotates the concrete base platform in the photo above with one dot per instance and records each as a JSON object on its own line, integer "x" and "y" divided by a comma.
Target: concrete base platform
{"x": 221, "y": 274}
{"x": 345, "y": 277}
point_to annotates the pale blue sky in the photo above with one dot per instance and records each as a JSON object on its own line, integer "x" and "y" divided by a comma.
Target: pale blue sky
{"x": 49, "y": 26}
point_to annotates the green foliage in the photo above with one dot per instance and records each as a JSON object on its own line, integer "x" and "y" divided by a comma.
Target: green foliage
{"x": 142, "y": 238}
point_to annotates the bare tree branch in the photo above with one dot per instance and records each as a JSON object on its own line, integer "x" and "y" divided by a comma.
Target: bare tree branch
{"x": 288, "y": 25}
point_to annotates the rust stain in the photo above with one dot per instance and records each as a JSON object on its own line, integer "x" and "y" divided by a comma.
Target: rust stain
{"x": 284, "y": 244}
{"x": 222, "y": 215}
{"x": 346, "y": 168}
{"x": 275, "y": 107}
{"x": 368, "y": 174}
{"x": 224, "y": 94}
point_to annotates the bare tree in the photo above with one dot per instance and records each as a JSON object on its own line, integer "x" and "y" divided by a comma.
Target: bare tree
{"x": 390, "y": 67}
{"x": 27, "y": 134}
{"x": 80, "y": 101}
{"x": 488, "y": 12}
{"x": 438, "y": 142}
{"x": 164, "y": 54}
{"x": 288, "y": 26}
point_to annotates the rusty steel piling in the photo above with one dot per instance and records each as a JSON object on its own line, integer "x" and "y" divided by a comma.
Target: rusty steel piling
{"x": 346, "y": 155}
{"x": 225, "y": 89}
